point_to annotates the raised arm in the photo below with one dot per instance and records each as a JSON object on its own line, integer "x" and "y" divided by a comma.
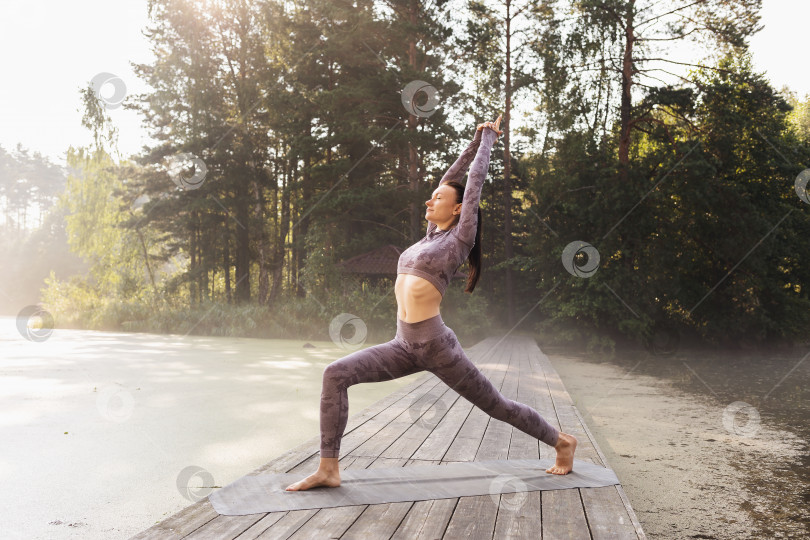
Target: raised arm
{"x": 468, "y": 220}
{"x": 457, "y": 169}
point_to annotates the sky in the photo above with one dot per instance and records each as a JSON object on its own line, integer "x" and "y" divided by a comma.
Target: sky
{"x": 52, "y": 48}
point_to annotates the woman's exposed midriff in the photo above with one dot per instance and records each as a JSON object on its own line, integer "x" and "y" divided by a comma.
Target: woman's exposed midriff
{"x": 417, "y": 298}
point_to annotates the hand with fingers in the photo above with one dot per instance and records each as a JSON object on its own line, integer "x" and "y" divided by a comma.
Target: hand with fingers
{"x": 492, "y": 125}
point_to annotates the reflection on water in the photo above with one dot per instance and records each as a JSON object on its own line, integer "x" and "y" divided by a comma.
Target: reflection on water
{"x": 707, "y": 444}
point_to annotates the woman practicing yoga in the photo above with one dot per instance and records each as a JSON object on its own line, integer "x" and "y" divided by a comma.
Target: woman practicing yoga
{"x": 422, "y": 341}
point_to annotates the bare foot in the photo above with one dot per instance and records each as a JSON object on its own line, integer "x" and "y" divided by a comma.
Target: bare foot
{"x": 566, "y": 445}
{"x": 321, "y": 477}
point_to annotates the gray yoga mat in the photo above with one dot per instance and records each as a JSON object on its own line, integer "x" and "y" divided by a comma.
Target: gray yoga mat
{"x": 265, "y": 492}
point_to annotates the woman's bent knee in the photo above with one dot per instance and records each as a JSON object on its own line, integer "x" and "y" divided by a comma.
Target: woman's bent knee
{"x": 335, "y": 374}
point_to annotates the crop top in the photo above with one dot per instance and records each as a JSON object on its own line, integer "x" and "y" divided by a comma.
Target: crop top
{"x": 438, "y": 255}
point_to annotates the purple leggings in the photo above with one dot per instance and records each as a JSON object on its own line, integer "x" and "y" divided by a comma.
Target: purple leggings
{"x": 425, "y": 345}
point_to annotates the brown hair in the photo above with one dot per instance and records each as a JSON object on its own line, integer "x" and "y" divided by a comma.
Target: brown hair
{"x": 475, "y": 253}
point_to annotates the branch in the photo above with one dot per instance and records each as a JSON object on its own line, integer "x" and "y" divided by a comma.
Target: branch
{"x": 681, "y": 117}
{"x": 639, "y": 83}
{"x": 681, "y": 64}
{"x": 518, "y": 12}
{"x": 652, "y": 5}
{"x": 671, "y": 12}
{"x": 667, "y": 39}
{"x": 690, "y": 81}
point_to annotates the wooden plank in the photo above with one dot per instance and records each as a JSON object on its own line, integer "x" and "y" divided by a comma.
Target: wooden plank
{"x": 522, "y": 445}
{"x": 180, "y": 524}
{"x": 426, "y": 520}
{"x": 474, "y": 517}
{"x": 563, "y": 405}
{"x": 628, "y": 509}
{"x": 369, "y": 523}
{"x": 438, "y": 441}
{"x": 225, "y": 527}
{"x": 465, "y": 445}
{"x": 608, "y": 514}
{"x": 520, "y": 514}
{"x": 451, "y": 431}
{"x": 493, "y": 444}
{"x": 381, "y": 520}
{"x": 278, "y": 525}
{"x": 494, "y": 363}
{"x": 563, "y": 515}
{"x": 403, "y": 422}
{"x": 535, "y": 382}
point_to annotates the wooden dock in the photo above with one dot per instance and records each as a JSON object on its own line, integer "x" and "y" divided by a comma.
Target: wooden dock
{"x": 425, "y": 423}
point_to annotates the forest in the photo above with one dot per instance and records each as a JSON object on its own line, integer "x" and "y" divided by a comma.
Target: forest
{"x": 634, "y": 197}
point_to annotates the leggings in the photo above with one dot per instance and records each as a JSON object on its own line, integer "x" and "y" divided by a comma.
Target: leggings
{"x": 425, "y": 345}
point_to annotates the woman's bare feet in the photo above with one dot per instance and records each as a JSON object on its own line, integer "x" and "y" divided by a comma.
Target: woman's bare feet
{"x": 327, "y": 474}
{"x": 566, "y": 445}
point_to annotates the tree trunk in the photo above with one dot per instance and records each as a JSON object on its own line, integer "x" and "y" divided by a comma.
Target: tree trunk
{"x": 145, "y": 258}
{"x": 242, "y": 243}
{"x": 303, "y": 228}
{"x": 627, "y": 84}
{"x": 413, "y": 157}
{"x": 283, "y": 230}
{"x": 226, "y": 264}
{"x": 192, "y": 267}
{"x": 205, "y": 251}
{"x": 507, "y": 181}
{"x": 262, "y": 248}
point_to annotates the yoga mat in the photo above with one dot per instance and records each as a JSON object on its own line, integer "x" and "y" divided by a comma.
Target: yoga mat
{"x": 265, "y": 492}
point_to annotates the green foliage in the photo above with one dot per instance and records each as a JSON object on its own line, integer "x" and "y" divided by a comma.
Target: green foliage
{"x": 92, "y": 224}
{"x": 799, "y": 117}
{"x": 311, "y": 158}
{"x": 692, "y": 238}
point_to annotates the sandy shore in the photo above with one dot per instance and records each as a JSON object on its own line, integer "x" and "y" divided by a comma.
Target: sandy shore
{"x": 686, "y": 474}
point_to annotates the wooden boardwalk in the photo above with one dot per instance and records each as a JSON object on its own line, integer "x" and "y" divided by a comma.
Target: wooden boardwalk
{"x": 425, "y": 423}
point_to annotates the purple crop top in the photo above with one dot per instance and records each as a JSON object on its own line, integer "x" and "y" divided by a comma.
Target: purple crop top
{"x": 438, "y": 255}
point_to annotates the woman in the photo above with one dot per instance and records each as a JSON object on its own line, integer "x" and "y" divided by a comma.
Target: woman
{"x": 423, "y": 342}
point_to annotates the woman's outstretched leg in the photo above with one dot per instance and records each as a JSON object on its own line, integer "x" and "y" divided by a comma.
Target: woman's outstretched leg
{"x": 381, "y": 362}
{"x": 449, "y": 362}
